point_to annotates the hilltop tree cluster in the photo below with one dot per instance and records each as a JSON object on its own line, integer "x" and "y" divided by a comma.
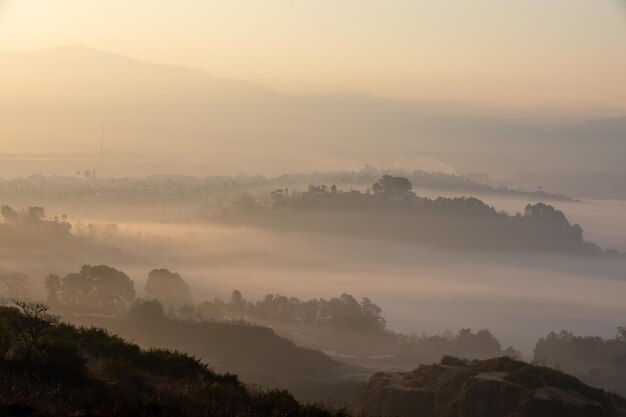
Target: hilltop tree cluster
{"x": 104, "y": 289}
{"x": 464, "y": 344}
{"x": 598, "y": 361}
{"x": 32, "y": 220}
{"x": 390, "y": 209}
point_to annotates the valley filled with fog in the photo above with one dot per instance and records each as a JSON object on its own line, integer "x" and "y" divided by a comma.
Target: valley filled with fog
{"x": 421, "y": 289}
{"x": 312, "y": 208}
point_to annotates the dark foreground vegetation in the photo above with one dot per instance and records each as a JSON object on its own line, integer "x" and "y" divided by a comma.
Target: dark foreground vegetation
{"x": 390, "y": 209}
{"x": 500, "y": 387}
{"x": 49, "y": 368}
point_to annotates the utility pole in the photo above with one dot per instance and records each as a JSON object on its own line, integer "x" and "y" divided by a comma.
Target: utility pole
{"x": 101, "y": 151}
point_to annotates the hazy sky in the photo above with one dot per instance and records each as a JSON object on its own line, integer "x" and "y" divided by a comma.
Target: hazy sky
{"x": 521, "y": 52}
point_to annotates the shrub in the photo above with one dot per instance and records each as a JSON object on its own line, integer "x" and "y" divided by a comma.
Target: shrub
{"x": 501, "y": 364}
{"x": 175, "y": 364}
{"x": 61, "y": 360}
{"x": 100, "y": 342}
{"x": 118, "y": 369}
{"x": 526, "y": 377}
{"x": 448, "y": 360}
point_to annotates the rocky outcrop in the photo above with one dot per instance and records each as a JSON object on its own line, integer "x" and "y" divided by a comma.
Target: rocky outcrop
{"x": 500, "y": 387}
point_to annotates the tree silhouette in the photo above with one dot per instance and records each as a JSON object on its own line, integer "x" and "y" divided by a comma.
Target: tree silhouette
{"x": 28, "y": 325}
{"x": 390, "y": 185}
{"x": 168, "y": 288}
{"x": 14, "y": 285}
{"x": 98, "y": 287}
{"x": 52, "y": 284}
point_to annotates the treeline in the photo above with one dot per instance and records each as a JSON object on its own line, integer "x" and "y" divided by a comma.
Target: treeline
{"x": 347, "y": 325}
{"x": 18, "y": 226}
{"x": 107, "y": 290}
{"x": 31, "y": 234}
{"x": 341, "y": 324}
{"x": 390, "y": 209}
{"x": 343, "y": 313}
{"x": 464, "y": 344}
{"x": 597, "y": 361}
{"x": 87, "y": 187}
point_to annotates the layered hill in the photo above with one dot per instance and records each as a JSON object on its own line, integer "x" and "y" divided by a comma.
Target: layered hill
{"x": 389, "y": 209}
{"x": 53, "y": 101}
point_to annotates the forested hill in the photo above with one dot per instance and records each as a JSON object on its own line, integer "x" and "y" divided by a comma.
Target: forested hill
{"x": 390, "y": 209}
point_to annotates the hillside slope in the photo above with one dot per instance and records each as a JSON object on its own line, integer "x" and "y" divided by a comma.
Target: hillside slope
{"x": 48, "y": 368}
{"x": 499, "y": 387}
{"x": 256, "y": 354}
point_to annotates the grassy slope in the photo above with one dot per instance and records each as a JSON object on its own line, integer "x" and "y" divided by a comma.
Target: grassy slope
{"x": 90, "y": 372}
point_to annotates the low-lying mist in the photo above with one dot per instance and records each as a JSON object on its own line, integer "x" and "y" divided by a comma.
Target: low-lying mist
{"x": 518, "y": 297}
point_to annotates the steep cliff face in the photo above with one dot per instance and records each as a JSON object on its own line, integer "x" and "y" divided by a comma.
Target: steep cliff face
{"x": 493, "y": 388}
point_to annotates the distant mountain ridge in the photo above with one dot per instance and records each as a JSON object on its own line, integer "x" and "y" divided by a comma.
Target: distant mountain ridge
{"x": 56, "y": 99}
{"x": 93, "y": 59}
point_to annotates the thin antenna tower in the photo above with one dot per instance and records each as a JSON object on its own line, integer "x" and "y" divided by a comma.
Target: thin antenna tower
{"x": 100, "y": 174}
